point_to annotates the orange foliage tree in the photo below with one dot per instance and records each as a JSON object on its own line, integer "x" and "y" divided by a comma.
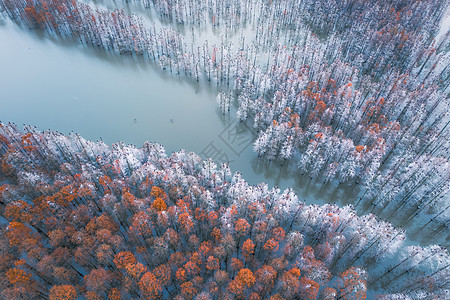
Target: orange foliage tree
{"x": 63, "y": 292}
{"x": 150, "y": 286}
{"x": 353, "y": 285}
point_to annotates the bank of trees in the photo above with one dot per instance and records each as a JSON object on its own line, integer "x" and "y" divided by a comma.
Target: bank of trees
{"x": 81, "y": 219}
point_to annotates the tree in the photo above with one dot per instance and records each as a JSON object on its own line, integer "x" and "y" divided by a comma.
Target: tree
{"x": 63, "y": 292}
{"x": 65, "y": 275}
{"x": 158, "y": 192}
{"x": 248, "y": 249}
{"x": 114, "y": 294}
{"x": 188, "y": 290}
{"x": 236, "y": 264}
{"x": 159, "y": 204}
{"x": 244, "y": 279}
{"x": 91, "y": 295}
{"x": 192, "y": 269}
{"x": 149, "y": 286}
{"x": 185, "y": 220}
{"x": 212, "y": 263}
{"x": 142, "y": 224}
{"x": 310, "y": 288}
{"x": 328, "y": 294}
{"x": 124, "y": 258}
{"x": 162, "y": 274}
{"x": 290, "y": 283}
{"x": 19, "y": 277}
{"x": 57, "y": 237}
{"x": 241, "y": 226}
{"x": 271, "y": 246}
{"x": 353, "y": 285}
{"x": 104, "y": 254}
{"x": 18, "y": 211}
{"x": 135, "y": 271}
{"x": 181, "y": 274}
{"x": 265, "y": 278}
{"x": 18, "y": 233}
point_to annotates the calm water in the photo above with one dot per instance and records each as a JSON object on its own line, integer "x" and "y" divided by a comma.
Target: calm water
{"x": 64, "y": 87}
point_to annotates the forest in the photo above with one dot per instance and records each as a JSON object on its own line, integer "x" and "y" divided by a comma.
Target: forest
{"x": 351, "y": 94}
{"x": 118, "y": 222}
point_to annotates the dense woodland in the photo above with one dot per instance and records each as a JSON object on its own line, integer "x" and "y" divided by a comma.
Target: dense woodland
{"x": 83, "y": 219}
{"x": 351, "y": 93}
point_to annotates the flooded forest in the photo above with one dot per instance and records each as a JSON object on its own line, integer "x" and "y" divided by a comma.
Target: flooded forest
{"x": 236, "y": 149}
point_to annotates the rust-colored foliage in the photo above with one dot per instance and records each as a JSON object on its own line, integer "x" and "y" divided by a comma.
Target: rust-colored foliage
{"x": 308, "y": 253}
{"x": 236, "y": 264}
{"x": 162, "y": 273}
{"x": 158, "y": 192}
{"x": 150, "y": 286}
{"x": 212, "y": 263}
{"x": 353, "y": 285}
{"x": 18, "y": 277}
{"x": 216, "y": 234}
{"x": 181, "y": 274}
{"x": 142, "y": 223}
{"x": 241, "y": 226}
{"x": 290, "y": 283}
{"x": 246, "y": 277}
{"x": 27, "y": 142}
{"x": 192, "y": 268}
{"x": 236, "y": 287}
{"x": 105, "y": 181}
{"x": 359, "y": 148}
{"x": 188, "y": 290}
{"x": 185, "y": 220}
{"x": 213, "y": 217}
{"x": 248, "y": 249}
{"x": 18, "y": 211}
{"x": 18, "y": 233}
{"x": 65, "y": 195}
{"x": 106, "y": 222}
{"x": 159, "y": 204}
{"x": 124, "y": 258}
{"x": 271, "y": 245}
{"x": 278, "y": 234}
{"x": 91, "y": 295}
{"x": 135, "y": 270}
{"x": 126, "y": 242}
{"x": 114, "y": 294}
{"x": 63, "y": 292}
{"x": 254, "y": 296}
{"x": 129, "y": 200}
{"x": 97, "y": 280}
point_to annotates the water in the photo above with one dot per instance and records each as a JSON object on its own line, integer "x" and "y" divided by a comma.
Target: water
{"x": 65, "y": 87}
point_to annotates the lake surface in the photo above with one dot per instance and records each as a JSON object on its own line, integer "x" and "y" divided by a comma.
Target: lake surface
{"x": 65, "y": 87}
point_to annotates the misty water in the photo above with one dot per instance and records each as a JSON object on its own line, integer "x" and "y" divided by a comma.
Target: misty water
{"x": 63, "y": 86}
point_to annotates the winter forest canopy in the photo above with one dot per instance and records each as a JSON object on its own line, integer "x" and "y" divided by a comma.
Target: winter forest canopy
{"x": 352, "y": 95}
